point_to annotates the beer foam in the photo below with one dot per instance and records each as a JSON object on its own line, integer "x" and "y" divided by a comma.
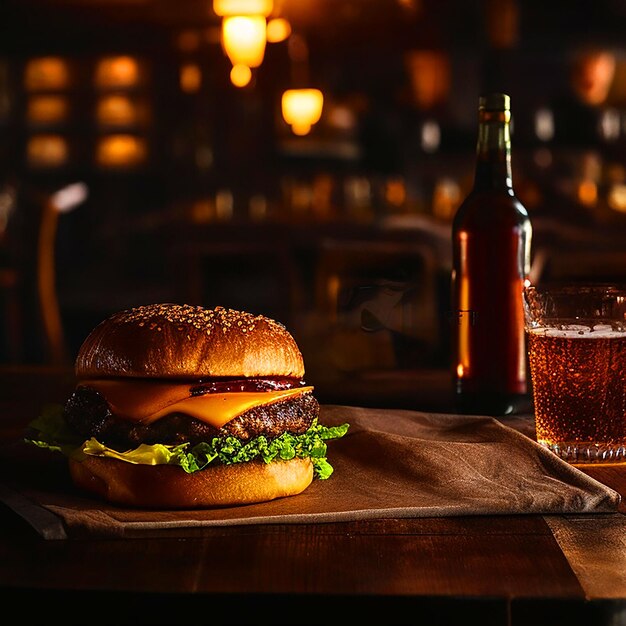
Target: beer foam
{"x": 578, "y": 331}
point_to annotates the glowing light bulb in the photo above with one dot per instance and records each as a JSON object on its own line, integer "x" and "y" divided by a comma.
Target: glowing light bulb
{"x": 302, "y": 108}
{"x": 240, "y": 75}
{"x": 278, "y": 29}
{"x": 243, "y": 39}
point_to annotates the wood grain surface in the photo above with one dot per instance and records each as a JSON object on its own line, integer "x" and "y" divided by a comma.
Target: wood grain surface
{"x": 502, "y": 570}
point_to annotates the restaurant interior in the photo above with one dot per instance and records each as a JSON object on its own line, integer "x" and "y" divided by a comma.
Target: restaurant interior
{"x": 148, "y": 155}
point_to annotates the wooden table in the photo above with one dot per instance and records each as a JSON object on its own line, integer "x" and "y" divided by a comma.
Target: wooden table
{"x": 506, "y": 570}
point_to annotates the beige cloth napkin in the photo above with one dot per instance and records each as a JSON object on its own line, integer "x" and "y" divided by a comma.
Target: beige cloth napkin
{"x": 392, "y": 463}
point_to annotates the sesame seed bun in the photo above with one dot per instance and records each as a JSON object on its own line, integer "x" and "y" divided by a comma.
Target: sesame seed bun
{"x": 154, "y": 353}
{"x": 184, "y": 341}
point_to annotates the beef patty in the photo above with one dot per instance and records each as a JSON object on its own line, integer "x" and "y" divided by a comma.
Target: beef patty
{"x": 89, "y": 414}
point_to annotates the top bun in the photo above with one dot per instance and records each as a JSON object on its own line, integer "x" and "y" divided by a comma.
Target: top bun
{"x": 183, "y": 341}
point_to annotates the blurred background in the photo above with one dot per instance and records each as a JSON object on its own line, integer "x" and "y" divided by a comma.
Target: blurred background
{"x": 161, "y": 151}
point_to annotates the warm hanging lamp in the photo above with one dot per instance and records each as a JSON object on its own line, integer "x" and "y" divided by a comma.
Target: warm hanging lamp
{"x": 302, "y": 108}
{"x": 243, "y": 38}
{"x": 244, "y": 35}
{"x": 302, "y": 105}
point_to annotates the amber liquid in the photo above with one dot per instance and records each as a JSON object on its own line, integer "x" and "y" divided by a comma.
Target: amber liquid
{"x": 491, "y": 252}
{"x": 579, "y": 389}
{"x": 490, "y": 347}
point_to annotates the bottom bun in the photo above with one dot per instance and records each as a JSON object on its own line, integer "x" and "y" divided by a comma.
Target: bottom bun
{"x": 169, "y": 486}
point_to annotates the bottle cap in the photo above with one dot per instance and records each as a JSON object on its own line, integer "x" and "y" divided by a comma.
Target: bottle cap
{"x": 494, "y": 102}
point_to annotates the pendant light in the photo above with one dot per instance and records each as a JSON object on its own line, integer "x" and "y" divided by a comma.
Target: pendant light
{"x": 244, "y": 35}
{"x": 302, "y": 104}
{"x": 302, "y": 108}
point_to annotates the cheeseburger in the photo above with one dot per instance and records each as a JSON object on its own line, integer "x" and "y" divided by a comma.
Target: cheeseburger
{"x": 178, "y": 406}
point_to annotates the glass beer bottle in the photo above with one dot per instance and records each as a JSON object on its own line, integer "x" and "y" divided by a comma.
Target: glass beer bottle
{"x": 491, "y": 236}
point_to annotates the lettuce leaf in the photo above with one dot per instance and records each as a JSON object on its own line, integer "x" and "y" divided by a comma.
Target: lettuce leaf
{"x": 52, "y": 432}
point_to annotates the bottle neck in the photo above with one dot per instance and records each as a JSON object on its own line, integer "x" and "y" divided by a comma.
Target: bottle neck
{"x": 493, "y": 152}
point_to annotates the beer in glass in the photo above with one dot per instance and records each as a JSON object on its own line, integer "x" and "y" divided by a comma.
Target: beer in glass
{"x": 577, "y": 352}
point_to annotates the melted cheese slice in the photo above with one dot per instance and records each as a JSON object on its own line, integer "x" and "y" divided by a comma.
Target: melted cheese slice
{"x": 147, "y": 401}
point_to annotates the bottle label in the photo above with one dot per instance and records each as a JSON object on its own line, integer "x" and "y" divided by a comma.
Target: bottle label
{"x": 463, "y": 316}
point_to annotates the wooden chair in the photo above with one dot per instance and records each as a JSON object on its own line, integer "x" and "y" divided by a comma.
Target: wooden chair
{"x": 75, "y": 295}
{"x": 52, "y": 207}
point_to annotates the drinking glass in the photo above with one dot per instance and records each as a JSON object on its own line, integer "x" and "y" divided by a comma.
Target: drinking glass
{"x": 577, "y": 351}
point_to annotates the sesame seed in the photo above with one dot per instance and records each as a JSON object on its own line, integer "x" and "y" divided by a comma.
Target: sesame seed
{"x": 183, "y": 316}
